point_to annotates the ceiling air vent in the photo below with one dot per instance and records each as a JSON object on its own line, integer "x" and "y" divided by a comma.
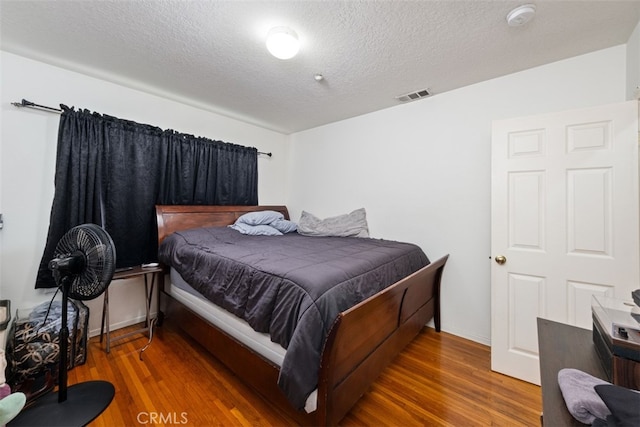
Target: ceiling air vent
{"x": 413, "y": 96}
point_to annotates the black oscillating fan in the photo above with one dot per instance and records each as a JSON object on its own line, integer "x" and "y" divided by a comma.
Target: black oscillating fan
{"x": 83, "y": 265}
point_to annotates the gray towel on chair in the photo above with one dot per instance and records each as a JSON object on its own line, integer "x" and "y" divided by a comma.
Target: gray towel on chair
{"x": 580, "y": 396}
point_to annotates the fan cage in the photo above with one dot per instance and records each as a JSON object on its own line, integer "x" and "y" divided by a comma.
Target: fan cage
{"x": 94, "y": 244}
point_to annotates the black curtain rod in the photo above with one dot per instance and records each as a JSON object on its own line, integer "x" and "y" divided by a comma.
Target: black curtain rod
{"x": 29, "y": 104}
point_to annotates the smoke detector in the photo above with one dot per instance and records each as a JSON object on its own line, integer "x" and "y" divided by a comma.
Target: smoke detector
{"x": 521, "y": 15}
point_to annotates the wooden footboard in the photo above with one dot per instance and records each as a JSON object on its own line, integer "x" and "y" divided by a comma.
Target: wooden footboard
{"x": 361, "y": 343}
{"x": 368, "y": 336}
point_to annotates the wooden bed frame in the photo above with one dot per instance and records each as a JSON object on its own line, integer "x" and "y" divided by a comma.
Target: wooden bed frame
{"x": 362, "y": 342}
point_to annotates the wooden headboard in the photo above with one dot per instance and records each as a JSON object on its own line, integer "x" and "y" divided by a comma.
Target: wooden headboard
{"x": 172, "y": 218}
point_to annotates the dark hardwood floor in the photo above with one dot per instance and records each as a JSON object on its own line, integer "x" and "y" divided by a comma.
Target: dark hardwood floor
{"x": 439, "y": 380}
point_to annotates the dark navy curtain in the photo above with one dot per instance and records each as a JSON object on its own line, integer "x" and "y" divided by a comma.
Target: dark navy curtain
{"x": 112, "y": 172}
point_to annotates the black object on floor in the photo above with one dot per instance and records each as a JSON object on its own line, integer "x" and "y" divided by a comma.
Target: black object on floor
{"x": 85, "y": 401}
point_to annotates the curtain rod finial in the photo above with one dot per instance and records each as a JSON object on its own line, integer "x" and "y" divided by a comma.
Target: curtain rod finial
{"x": 23, "y": 103}
{"x": 30, "y": 104}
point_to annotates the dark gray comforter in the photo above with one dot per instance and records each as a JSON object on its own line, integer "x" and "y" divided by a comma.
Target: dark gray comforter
{"x": 289, "y": 286}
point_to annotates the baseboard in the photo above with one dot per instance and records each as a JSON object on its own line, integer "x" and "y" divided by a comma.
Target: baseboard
{"x": 121, "y": 324}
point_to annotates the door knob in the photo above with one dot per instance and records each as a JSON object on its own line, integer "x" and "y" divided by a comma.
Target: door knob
{"x": 500, "y": 259}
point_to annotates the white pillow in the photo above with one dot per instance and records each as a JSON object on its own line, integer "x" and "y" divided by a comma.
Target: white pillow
{"x": 353, "y": 224}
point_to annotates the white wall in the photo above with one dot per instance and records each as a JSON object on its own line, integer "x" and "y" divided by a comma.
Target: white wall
{"x": 633, "y": 64}
{"x": 27, "y": 164}
{"x": 422, "y": 170}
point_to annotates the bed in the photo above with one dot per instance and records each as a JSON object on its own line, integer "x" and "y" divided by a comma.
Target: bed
{"x": 359, "y": 344}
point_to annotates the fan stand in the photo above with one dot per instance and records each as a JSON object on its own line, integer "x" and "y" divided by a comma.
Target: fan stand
{"x": 77, "y": 405}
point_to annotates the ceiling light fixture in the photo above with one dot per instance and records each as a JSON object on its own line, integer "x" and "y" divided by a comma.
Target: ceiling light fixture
{"x": 521, "y": 15}
{"x": 283, "y": 43}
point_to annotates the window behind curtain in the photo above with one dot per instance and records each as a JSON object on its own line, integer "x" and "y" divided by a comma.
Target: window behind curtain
{"x": 112, "y": 172}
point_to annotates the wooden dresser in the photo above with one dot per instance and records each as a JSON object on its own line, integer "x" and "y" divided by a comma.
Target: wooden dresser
{"x": 563, "y": 346}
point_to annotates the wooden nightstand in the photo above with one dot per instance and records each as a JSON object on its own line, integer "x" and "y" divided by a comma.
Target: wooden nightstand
{"x": 156, "y": 274}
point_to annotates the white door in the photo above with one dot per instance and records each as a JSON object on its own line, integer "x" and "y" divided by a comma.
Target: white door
{"x": 565, "y": 219}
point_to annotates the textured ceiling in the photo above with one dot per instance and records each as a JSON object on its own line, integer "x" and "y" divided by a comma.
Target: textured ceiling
{"x": 211, "y": 54}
